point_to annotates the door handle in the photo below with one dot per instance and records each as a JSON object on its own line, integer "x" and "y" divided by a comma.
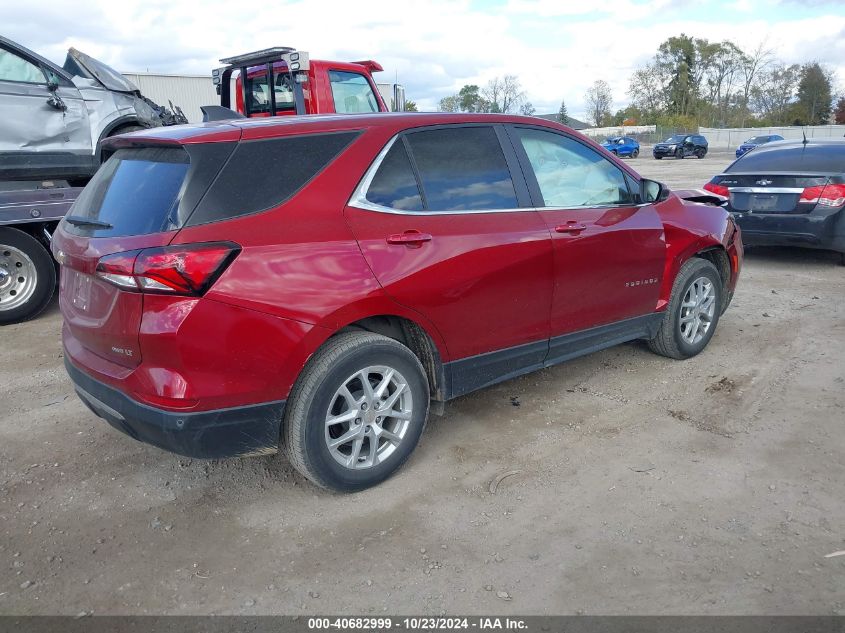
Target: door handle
{"x": 570, "y": 227}
{"x": 413, "y": 239}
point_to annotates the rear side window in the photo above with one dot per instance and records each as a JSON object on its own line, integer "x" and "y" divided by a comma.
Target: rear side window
{"x": 795, "y": 159}
{"x": 462, "y": 168}
{"x": 263, "y": 174}
{"x": 352, "y": 93}
{"x": 394, "y": 184}
{"x": 136, "y": 191}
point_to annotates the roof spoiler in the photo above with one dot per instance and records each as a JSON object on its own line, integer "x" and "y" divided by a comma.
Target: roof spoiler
{"x": 369, "y": 64}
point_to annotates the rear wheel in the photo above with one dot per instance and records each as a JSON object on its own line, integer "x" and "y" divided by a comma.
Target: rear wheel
{"x": 356, "y": 412}
{"x": 693, "y": 312}
{"x": 699, "y": 153}
{"x": 27, "y": 276}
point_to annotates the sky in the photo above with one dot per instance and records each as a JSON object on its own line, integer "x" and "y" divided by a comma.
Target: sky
{"x": 557, "y": 48}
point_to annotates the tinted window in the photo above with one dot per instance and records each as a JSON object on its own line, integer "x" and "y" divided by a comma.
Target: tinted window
{"x": 394, "y": 184}
{"x": 137, "y": 191}
{"x": 571, "y": 174}
{"x": 463, "y": 168}
{"x": 352, "y": 93}
{"x": 14, "y": 68}
{"x": 262, "y": 174}
{"x": 795, "y": 159}
{"x": 258, "y": 93}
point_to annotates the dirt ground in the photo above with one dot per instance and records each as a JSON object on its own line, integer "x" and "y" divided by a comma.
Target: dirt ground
{"x": 638, "y": 485}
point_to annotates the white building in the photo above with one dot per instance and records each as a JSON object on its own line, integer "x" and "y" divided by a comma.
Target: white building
{"x": 189, "y": 92}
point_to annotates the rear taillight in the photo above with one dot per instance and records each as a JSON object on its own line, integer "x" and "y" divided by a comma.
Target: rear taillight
{"x": 719, "y": 190}
{"x": 188, "y": 269}
{"x": 825, "y": 195}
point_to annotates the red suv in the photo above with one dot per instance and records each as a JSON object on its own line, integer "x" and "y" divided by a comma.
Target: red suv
{"x": 320, "y": 282}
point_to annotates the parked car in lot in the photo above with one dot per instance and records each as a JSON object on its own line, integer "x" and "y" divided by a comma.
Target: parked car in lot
{"x": 788, "y": 193}
{"x": 622, "y": 146}
{"x": 681, "y": 146}
{"x": 322, "y": 282}
{"x": 754, "y": 141}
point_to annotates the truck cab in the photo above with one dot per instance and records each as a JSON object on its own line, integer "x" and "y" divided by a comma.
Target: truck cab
{"x": 300, "y": 85}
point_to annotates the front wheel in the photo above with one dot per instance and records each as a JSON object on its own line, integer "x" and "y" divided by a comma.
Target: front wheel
{"x": 635, "y": 153}
{"x": 356, "y": 412}
{"x": 27, "y": 276}
{"x": 679, "y": 153}
{"x": 693, "y": 312}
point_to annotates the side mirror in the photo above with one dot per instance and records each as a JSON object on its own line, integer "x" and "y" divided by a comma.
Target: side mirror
{"x": 52, "y": 85}
{"x": 652, "y": 191}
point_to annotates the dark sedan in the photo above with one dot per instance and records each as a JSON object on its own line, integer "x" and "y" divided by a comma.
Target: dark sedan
{"x": 788, "y": 193}
{"x": 755, "y": 141}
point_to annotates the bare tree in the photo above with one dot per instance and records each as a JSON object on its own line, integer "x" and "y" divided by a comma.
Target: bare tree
{"x": 449, "y": 104}
{"x": 503, "y": 94}
{"x": 598, "y": 100}
{"x": 648, "y": 88}
{"x": 773, "y": 91}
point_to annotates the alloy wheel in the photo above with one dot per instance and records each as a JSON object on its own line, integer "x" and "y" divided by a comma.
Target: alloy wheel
{"x": 697, "y": 310}
{"x": 368, "y": 417}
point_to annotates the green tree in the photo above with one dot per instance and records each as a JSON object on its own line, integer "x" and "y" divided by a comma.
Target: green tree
{"x": 470, "y": 99}
{"x": 562, "y": 114}
{"x": 411, "y": 106}
{"x": 527, "y": 109}
{"x": 815, "y": 96}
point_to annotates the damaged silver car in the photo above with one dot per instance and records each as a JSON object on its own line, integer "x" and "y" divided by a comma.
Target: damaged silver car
{"x": 53, "y": 119}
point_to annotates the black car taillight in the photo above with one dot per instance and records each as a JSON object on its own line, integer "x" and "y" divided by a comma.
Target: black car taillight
{"x": 825, "y": 195}
{"x": 719, "y": 190}
{"x": 185, "y": 269}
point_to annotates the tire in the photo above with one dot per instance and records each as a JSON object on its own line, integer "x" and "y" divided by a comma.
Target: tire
{"x": 658, "y": 158}
{"x": 700, "y": 153}
{"x": 673, "y": 338}
{"x": 635, "y": 153}
{"x": 317, "y": 396}
{"x": 27, "y": 276}
{"x": 679, "y": 153}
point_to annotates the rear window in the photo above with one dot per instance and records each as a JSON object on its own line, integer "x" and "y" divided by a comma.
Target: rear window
{"x": 794, "y": 159}
{"x": 136, "y": 191}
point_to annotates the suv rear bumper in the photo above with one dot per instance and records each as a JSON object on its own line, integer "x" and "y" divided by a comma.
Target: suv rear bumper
{"x": 235, "y": 432}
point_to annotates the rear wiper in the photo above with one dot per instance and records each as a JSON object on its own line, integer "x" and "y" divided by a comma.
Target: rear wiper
{"x": 78, "y": 220}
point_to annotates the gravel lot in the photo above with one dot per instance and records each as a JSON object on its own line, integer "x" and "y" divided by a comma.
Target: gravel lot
{"x": 640, "y": 485}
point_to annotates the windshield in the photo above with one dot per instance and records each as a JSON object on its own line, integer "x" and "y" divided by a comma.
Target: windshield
{"x": 677, "y": 138}
{"x": 757, "y": 140}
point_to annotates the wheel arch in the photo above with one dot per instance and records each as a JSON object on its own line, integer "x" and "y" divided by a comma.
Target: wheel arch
{"x": 113, "y": 128}
{"x": 414, "y": 337}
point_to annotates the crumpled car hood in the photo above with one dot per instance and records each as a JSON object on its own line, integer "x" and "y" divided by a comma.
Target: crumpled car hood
{"x": 82, "y": 65}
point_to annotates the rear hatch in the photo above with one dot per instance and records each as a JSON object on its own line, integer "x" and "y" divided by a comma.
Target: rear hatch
{"x": 137, "y": 202}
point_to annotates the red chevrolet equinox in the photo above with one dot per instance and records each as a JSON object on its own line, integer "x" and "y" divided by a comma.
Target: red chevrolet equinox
{"x": 319, "y": 283}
